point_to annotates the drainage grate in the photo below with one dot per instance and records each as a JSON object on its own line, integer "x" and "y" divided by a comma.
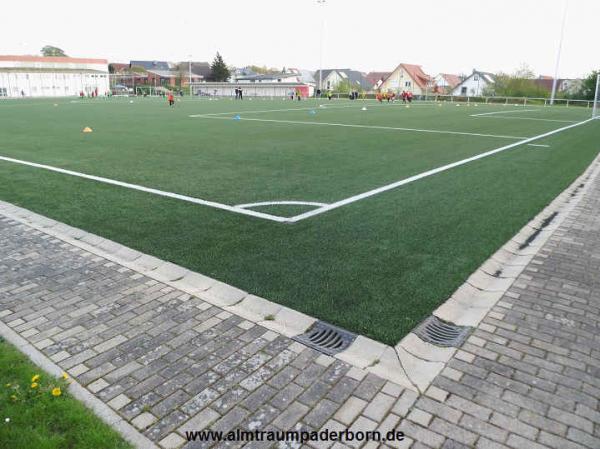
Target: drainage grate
{"x": 326, "y": 338}
{"x": 441, "y": 333}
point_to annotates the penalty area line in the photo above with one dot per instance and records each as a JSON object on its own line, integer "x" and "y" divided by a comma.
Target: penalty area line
{"x": 426, "y": 174}
{"x": 389, "y": 128}
{"x": 504, "y": 112}
{"x": 127, "y": 185}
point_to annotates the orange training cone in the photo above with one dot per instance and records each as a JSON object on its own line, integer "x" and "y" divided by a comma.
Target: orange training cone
{"x": 87, "y": 129}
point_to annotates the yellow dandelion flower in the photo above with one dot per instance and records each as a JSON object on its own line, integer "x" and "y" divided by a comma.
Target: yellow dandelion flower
{"x": 56, "y": 391}
{"x": 35, "y": 378}
{"x": 65, "y": 376}
{"x": 13, "y": 397}
{"x": 7, "y": 385}
{"x": 34, "y": 385}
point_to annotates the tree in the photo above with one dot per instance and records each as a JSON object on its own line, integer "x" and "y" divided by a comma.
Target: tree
{"x": 49, "y": 50}
{"x": 219, "y": 70}
{"x": 519, "y": 84}
{"x": 588, "y": 87}
{"x": 345, "y": 87}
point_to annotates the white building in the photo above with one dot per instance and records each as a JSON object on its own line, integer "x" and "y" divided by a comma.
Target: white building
{"x": 41, "y": 76}
{"x": 475, "y": 84}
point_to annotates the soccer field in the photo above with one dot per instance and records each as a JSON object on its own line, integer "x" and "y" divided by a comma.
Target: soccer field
{"x": 367, "y": 219}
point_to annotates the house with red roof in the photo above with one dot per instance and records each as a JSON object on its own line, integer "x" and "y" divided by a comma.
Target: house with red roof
{"x": 409, "y": 78}
{"x": 377, "y": 78}
{"x": 444, "y": 83}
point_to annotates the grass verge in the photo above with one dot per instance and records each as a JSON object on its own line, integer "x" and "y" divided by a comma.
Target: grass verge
{"x": 38, "y": 412}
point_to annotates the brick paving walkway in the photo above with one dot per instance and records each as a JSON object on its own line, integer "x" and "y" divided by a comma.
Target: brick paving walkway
{"x": 529, "y": 376}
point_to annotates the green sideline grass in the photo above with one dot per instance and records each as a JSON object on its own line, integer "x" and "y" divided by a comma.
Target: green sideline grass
{"x": 376, "y": 267}
{"x": 38, "y": 420}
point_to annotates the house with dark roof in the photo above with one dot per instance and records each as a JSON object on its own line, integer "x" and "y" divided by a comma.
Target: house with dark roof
{"x": 444, "y": 83}
{"x": 331, "y": 79}
{"x": 151, "y": 65}
{"x": 475, "y": 84}
{"x": 409, "y": 78}
{"x": 201, "y": 69}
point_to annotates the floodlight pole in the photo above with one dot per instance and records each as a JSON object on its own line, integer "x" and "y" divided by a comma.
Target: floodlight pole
{"x": 560, "y": 43}
{"x": 595, "y": 108}
{"x": 321, "y": 3}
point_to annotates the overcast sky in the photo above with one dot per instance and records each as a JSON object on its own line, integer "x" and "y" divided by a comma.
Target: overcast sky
{"x": 443, "y": 36}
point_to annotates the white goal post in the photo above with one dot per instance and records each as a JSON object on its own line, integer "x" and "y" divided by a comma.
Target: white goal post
{"x": 595, "y": 110}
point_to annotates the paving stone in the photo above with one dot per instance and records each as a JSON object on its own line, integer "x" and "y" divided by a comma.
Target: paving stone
{"x": 453, "y": 432}
{"x": 286, "y": 396}
{"x": 481, "y": 427}
{"x": 320, "y": 413}
{"x": 405, "y": 402}
{"x": 200, "y": 421}
{"x": 143, "y": 420}
{"x": 165, "y": 425}
{"x": 379, "y": 406}
{"x": 350, "y": 410}
{"x": 541, "y": 422}
{"x": 291, "y": 415}
{"x": 172, "y": 441}
{"x": 119, "y": 401}
{"x": 436, "y": 408}
{"x": 98, "y": 385}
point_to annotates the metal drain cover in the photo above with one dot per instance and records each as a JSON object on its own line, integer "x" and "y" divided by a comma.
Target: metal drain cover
{"x": 442, "y": 333}
{"x": 326, "y": 338}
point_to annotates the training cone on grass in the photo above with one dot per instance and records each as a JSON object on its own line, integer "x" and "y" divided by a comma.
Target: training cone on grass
{"x": 87, "y": 129}
{"x": 364, "y": 108}
{"x": 237, "y": 117}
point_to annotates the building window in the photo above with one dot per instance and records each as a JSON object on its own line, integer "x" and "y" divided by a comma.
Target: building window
{"x": 476, "y": 78}
{"x": 407, "y": 84}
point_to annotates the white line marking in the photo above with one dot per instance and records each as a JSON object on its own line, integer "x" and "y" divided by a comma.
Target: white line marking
{"x": 504, "y": 112}
{"x": 127, "y": 185}
{"x": 345, "y": 125}
{"x": 405, "y": 181}
{"x": 278, "y": 203}
{"x": 537, "y": 145}
{"x": 530, "y": 118}
{"x": 316, "y": 107}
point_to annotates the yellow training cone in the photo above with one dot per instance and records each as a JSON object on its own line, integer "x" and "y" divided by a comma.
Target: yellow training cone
{"x": 87, "y": 129}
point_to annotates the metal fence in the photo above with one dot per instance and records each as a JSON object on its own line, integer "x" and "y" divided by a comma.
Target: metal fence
{"x": 521, "y": 101}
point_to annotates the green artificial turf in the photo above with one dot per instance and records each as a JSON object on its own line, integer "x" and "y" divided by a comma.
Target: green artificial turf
{"x": 377, "y": 266}
{"x": 34, "y": 418}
